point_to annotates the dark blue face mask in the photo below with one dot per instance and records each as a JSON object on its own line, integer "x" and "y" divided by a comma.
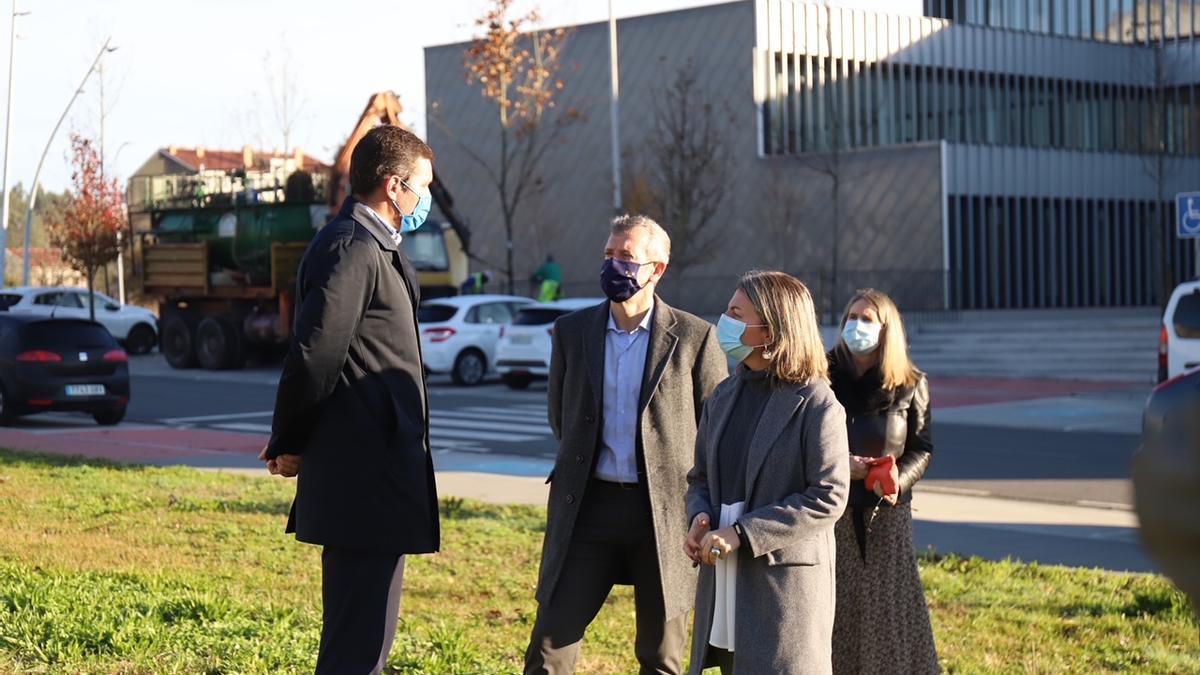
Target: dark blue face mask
{"x": 618, "y": 279}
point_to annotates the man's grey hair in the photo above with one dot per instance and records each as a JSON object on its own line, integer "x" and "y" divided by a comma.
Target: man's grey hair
{"x": 658, "y": 245}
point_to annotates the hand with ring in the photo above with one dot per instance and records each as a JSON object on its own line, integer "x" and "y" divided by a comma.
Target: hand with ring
{"x": 718, "y": 544}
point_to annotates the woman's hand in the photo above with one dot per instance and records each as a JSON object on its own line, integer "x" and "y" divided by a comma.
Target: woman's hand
{"x": 889, "y": 498}
{"x": 858, "y": 468}
{"x": 691, "y": 543}
{"x": 725, "y": 541}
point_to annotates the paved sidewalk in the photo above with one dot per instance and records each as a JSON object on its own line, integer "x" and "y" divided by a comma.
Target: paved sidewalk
{"x": 948, "y": 523}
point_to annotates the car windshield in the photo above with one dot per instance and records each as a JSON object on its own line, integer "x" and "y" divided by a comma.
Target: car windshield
{"x": 62, "y": 335}
{"x": 435, "y": 313}
{"x": 537, "y": 317}
{"x": 426, "y": 249}
{"x": 8, "y": 300}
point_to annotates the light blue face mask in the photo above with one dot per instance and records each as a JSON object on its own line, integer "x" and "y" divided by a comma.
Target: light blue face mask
{"x": 414, "y": 220}
{"x": 729, "y": 335}
{"x": 861, "y": 337}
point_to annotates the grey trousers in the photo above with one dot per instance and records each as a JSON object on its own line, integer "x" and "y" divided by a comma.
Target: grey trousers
{"x": 613, "y": 544}
{"x": 360, "y": 591}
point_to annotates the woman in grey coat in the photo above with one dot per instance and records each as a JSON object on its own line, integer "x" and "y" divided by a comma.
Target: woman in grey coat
{"x": 772, "y": 474}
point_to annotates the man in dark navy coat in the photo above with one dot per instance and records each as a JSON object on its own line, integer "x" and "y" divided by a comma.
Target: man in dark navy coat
{"x": 351, "y": 414}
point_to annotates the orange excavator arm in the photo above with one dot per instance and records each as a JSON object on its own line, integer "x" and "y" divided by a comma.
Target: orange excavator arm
{"x": 384, "y": 108}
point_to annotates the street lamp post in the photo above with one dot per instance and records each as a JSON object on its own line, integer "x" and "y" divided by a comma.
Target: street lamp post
{"x": 614, "y": 108}
{"x": 12, "y": 50}
{"x": 37, "y": 174}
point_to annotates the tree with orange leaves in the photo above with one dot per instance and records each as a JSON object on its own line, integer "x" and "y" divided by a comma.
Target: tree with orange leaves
{"x": 86, "y": 234}
{"x": 515, "y": 66}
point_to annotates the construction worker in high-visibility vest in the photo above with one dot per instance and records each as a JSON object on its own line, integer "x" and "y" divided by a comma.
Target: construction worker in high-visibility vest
{"x": 549, "y": 275}
{"x": 476, "y": 284}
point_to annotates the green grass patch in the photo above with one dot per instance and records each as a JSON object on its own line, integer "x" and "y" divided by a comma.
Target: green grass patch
{"x": 122, "y": 569}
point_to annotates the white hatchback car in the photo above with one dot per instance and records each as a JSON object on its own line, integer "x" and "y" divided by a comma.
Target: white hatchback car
{"x": 1179, "y": 341}
{"x": 523, "y": 354}
{"x": 136, "y": 328}
{"x": 459, "y": 334}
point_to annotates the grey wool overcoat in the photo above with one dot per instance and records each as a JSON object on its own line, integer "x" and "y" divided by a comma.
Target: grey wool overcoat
{"x": 797, "y": 483}
{"x": 684, "y": 363}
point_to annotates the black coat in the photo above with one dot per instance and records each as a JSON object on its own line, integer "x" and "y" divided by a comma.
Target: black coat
{"x": 352, "y": 396}
{"x": 883, "y": 422}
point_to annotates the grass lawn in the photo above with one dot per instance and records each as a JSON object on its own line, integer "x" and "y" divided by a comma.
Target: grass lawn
{"x": 113, "y": 569}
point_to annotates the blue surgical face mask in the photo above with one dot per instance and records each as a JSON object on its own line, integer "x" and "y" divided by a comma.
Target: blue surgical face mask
{"x": 414, "y": 220}
{"x": 861, "y": 337}
{"x": 729, "y": 335}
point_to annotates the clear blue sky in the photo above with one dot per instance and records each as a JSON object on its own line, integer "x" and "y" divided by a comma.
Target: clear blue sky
{"x": 191, "y": 72}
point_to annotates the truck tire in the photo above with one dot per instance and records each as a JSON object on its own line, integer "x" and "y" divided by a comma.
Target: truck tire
{"x": 178, "y": 342}
{"x": 219, "y": 345}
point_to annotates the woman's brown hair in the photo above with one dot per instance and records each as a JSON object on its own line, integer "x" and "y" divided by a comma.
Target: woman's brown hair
{"x": 784, "y": 304}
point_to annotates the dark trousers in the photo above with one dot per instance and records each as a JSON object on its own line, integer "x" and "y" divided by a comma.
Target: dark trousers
{"x": 613, "y": 544}
{"x": 361, "y": 595}
{"x": 720, "y": 658}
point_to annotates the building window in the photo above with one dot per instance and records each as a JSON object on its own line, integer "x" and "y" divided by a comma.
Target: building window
{"x": 819, "y": 104}
{"x": 1028, "y": 252}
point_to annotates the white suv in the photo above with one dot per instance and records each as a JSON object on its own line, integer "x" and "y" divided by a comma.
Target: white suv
{"x": 459, "y": 334}
{"x": 1179, "y": 341}
{"x": 136, "y": 328}
{"x": 523, "y": 354}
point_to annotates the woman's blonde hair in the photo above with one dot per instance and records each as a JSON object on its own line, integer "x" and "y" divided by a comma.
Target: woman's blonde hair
{"x": 894, "y": 364}
{"x": 784, "y": 304}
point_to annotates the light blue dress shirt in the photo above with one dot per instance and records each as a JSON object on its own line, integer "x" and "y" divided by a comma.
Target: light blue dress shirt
{"x": 387, "y": 227}
{"x": 624, "y": 365}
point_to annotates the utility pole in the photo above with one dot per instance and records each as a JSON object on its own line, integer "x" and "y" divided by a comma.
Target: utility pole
{"x": 120, "y": 247}
{"x": 37, "y": 174}
{"x": 8, "y": 121}
{"x": 614, "y": 70}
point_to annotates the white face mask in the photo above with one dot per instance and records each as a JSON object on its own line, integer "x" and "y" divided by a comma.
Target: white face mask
{"x": 861, "y": 337}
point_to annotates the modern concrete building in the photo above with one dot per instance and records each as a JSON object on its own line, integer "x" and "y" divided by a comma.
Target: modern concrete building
{"x": 986, "y": 153}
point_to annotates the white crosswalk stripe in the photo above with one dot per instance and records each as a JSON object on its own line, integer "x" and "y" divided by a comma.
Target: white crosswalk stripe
{"x": 469, "y": 429}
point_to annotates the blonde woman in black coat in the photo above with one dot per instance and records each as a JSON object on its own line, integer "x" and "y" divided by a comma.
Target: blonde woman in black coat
{"x": 882, "y": 623}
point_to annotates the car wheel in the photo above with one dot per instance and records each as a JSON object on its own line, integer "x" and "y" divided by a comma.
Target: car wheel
{"x": 178, "y": 343}
{"x": 518, "y": 381}
{"x": 6, "y": 415}
{"x": 469, "y": 368}
{"x": 141, "y": 339}
{"x": 109, "y": 418}
{"x": 218, "y": 345}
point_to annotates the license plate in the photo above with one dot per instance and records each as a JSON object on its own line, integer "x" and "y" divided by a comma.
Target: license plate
{"x": 522, "y": 340}
{"x": 85, "y": 390}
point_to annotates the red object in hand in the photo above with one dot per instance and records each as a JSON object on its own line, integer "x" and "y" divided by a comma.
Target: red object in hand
{"x": 882, "y": 471}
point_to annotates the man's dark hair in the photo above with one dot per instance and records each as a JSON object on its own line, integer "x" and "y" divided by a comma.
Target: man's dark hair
{"x": 385, "y": 151}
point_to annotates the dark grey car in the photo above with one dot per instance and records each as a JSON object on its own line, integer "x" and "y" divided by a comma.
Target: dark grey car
{"x": 61, "y": 365}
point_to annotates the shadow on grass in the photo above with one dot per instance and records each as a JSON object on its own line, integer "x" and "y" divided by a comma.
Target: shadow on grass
{"x": 269, "y": 507}
{"x": 45, "y": 459}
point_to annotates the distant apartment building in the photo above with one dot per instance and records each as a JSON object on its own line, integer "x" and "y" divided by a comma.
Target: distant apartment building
{"x": 195, "y": 176}
{"x": 988, "y": 154}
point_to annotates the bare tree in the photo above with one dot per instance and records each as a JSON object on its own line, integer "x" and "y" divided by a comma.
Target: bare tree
{"x": 515, "y": 66}
{"x": 779, "y": 208}
{"x": 829, "y": 160}
{"x": 1152, "y": 133}
{"x": 683, "y": 175}
{"x": 283, "y": 89}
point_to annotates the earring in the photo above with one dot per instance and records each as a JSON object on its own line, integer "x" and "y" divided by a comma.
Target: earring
{"x": 768, "y": 355}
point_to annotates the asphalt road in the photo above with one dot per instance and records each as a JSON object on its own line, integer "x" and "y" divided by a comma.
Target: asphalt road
{"x": 1088, "y": 467}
